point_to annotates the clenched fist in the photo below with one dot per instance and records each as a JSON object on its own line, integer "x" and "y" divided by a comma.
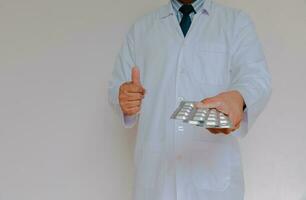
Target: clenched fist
{"x": 131, "y": 94}
{"x": 230, "y": 103}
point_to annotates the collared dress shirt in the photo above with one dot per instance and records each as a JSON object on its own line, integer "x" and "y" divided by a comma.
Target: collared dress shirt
{"x": 221, "y": 52}
{"x": 176, "y": 5}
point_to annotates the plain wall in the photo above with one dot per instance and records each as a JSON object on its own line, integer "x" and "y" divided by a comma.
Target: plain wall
{"x": 59, "y": 139}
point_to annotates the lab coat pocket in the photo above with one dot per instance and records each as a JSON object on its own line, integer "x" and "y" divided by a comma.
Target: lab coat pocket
{"x": 211, "y": 61}
{"x": 211, "y": 165}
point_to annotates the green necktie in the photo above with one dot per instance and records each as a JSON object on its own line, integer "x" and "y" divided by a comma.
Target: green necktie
{"x": 186, "y": 20}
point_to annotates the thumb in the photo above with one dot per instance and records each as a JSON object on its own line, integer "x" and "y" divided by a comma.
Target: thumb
{"x": 136, "y": 76}
{"x": 209, "y": 103}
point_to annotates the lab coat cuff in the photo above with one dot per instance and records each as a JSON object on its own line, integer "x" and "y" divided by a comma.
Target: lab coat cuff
{"x": 245, "y": 95}
{"x": 244, "y": 126}
{"x": 129, "y": 121}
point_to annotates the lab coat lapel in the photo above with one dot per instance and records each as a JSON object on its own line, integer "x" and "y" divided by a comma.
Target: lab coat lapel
{"x": 170, "y": 23}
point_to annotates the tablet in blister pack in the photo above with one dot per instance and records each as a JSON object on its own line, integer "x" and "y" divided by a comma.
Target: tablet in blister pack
{"x": 204, "y": 117}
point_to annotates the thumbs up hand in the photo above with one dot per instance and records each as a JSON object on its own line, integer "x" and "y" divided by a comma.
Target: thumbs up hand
{"x": 131, "y": 94}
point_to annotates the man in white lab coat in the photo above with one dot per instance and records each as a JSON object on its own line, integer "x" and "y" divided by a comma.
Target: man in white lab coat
{"x": 196, "y": 51}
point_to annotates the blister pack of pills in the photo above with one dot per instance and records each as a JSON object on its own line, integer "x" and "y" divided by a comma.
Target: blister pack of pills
{"x": 204, "y": 117}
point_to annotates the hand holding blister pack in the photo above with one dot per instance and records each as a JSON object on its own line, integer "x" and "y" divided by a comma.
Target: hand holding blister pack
{"x": 203, "y": 117}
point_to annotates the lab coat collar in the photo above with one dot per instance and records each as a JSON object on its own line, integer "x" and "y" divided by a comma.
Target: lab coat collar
{"x": 168, "y": 9}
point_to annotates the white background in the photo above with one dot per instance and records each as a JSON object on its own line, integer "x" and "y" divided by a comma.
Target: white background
{"x": 59, "y": 139}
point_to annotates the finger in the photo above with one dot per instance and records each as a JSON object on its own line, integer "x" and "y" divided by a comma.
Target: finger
{"x": 201, "y": 103}
{"x": 233, "y": 120}
{"x": 132, "y": 111}
{"x": 133, "y": 96}
{"x": 136, "y": 76}
{"x": 124, "y": 86}
{"x": 216, "y": 104}
{"x": 209, "y": 103}
{"x": 125, "y": 100}
{"x": 132, "y": 104}
{"x": 236, "y": 127}
{"x": 214, "y": 130}
{"x": 210, "y": 100}
{"x": 227, "y": 131}
{"x": 132, "y": 88}
{"x": 220, "y": 106}
{"x": 236, "y": 123}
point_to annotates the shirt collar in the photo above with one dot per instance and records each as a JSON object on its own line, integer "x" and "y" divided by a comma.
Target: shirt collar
{"x": 203, "y": 9}
{"x": 197, "y": 5}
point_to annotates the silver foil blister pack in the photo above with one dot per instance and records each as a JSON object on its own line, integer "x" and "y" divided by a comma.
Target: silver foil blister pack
{"x": 203, "y": 117}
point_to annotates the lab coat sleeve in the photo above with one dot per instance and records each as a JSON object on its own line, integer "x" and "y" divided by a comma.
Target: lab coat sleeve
{"x": 249, "y": 72}
{"x": 121, "y": 73}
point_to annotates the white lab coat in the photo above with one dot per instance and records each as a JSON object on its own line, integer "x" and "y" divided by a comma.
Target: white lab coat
{"x": 176, "y": 161}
